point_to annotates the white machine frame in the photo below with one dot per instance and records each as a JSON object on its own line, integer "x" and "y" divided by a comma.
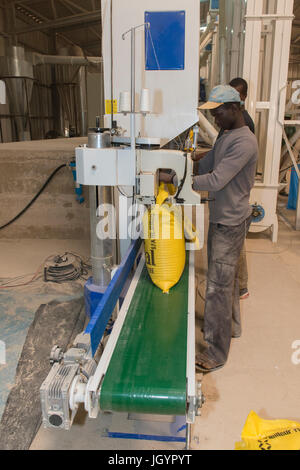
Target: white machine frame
{"x": 265, "y": 193}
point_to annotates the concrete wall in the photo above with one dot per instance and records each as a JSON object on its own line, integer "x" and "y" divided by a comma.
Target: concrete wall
{"x": 24, "y": 167}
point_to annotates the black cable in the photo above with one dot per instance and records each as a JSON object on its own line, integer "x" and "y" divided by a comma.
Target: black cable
{"x": 35, "y": 197}
{"x": 285, "y": 169}
{"x": 60, "y": 274}
{"x": 123, "y": 194}
{"x": 182, "y": 182}
{"x": 62, "y": 269}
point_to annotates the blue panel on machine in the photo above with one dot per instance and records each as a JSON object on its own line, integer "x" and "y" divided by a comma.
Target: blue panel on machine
{"x": 165, "y": 40}
{"x": 214, "y": 5}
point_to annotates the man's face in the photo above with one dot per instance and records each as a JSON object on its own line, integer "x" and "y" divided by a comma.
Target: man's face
{"x": 224, "y": 116}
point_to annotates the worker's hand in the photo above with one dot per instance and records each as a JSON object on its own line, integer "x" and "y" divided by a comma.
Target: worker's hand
{"x": 196, "y": 156}
{"x": 165, "y": 177}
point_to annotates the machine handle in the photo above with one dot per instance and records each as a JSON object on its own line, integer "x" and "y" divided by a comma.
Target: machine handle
{"x": 206, "y": 199}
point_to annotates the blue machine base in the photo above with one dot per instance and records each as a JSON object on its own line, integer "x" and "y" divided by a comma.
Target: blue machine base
{"x": 104, "y": 309}
{"x": 92, "y": 296}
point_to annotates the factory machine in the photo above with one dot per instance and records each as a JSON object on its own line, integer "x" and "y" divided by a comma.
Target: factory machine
{"x": 137, "y": 353}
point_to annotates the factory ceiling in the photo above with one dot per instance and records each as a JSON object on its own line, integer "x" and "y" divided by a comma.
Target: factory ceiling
{"x": 67, "y": 22}
{"x": 76, "y": 22}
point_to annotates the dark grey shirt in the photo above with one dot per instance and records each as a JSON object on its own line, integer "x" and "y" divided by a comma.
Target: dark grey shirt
{"x": 228, "y": 173}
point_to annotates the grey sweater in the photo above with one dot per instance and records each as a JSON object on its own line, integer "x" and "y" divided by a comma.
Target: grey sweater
{"x": 228, "y": 173}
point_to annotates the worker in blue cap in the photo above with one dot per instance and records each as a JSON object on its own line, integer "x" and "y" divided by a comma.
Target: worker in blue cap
{"x": 228, "y": 173}
{"x": 242, "y": 87}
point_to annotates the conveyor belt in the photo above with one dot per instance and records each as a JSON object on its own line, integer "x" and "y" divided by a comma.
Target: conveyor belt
{"x": 147, "y": 371}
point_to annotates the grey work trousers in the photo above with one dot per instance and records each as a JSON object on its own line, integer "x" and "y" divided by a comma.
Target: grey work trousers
{"x": 222, "y": 302}
{"x": 243, "y": 271}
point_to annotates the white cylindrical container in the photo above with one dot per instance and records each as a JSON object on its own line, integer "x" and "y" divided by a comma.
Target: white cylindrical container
{"x": 145, "y": 101}
{"x": 125, "y": 102}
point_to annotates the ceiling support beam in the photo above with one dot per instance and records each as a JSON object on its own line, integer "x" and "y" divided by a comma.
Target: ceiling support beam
{"x": 61, "y": 22}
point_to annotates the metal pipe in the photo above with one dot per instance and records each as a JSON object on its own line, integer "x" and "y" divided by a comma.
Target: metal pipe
{"x": 213, "y": 78}
{"x": 222, "y": 43}
{"x": 103, "y": 252}
{"x": 206, "y": 41}
{"x": 209, "y": 29}
{"x": 208, "y": 127}
{"x": 65, "y": 60}
{"x": 83, "y": 101}
{"x": 292, "y": 141}
{"x": 132, "y": 116}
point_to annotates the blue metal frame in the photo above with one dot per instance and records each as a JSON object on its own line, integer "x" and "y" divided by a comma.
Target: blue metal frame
{"x": 144, "y": 437}
{"x": 92, "y": 296}
{"x": 105, "y": 308}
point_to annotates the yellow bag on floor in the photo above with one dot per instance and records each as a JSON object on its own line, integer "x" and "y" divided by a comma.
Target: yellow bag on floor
{"x": 263, "y": 434}
{"x": 164, "y": 242}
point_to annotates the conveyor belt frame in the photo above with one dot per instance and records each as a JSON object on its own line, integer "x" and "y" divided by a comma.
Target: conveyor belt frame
{"x": 193, "y": 395}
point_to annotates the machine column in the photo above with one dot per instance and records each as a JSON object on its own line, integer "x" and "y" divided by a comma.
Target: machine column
{"x": 103, "y": 252}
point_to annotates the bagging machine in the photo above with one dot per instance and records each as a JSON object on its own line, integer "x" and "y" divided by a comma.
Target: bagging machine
{"x": 137, "y": 353}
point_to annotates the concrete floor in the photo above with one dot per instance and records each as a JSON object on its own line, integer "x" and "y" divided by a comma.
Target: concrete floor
{"x": 259, "y": 375}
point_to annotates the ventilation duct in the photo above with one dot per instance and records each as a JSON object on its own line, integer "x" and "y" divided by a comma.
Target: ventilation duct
{"x": 17, "y": 72}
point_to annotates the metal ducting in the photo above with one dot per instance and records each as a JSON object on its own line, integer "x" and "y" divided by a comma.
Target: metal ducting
{"x": 71, "y": 87}
{"x": 17, "y": 72}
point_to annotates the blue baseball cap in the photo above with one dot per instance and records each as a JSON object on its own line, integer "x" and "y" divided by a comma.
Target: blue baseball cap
{"x": 222, "y": 94}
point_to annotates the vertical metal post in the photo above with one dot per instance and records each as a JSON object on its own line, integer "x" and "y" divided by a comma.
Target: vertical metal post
{"x": 103, "y": 252}
{"x": 242, "y": 38}
{"x": 82, "y": 92}
{"x": 188, "y": 436}
{"x": 236, "y": 42}
{"x": 132, "y": 116}
{"x": 222, "y": 43}
{"x": 251, "y": 58}
{"x": 277, "y": 17}
{"x": 286, "y": 28}
{"x": 214, "y": 75}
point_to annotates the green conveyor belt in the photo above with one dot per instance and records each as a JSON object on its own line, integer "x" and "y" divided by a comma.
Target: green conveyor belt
{"x": 147, "y": 371}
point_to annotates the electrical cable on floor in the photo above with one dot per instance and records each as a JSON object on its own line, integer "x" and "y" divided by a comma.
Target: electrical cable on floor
{"x": 7, "y": 281}
{"x": 64, "y": 268}
{"x": 36, "y": 274}
{"x": 55, "y": 268}
{"x": 35, "y": 197}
